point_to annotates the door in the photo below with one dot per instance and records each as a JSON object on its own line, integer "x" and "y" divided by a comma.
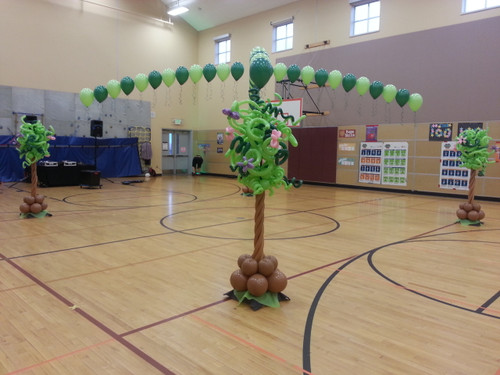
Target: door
{"x": 176, "y": 151}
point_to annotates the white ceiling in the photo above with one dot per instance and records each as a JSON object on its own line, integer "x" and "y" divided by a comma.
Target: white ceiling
{"x": 205, "y": 14}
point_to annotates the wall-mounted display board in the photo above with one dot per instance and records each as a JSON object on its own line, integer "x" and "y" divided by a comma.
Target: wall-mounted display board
{"x": 451, "y": 175}
{"x": 395, "y": 163}
{"x": 370, "y": 162}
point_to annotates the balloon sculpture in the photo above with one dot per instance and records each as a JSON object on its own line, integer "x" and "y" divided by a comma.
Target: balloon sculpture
{"x": 33, "y": 146}
{"x": 473, "y": 145}
{"x": 257, "y": 151}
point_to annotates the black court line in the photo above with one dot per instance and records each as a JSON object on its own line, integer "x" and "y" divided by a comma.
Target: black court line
{"x": 488, "y": 302}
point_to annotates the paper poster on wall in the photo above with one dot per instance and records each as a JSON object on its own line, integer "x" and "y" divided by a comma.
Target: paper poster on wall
{"x": 371, "y": 133}
{"x": 347, "y": 133}
{"x": 451, "y": 175}
{"x": 219, "y": 150}
{"x": 440, "y": 132}
{"x": 345, "y": 161}
{"x": 347, "y": 146}
{"x": 220, "y": 138}
{"x": 469, "y": 125}
{"x": 370, "y": 162}
{"x": 395, "y": 163}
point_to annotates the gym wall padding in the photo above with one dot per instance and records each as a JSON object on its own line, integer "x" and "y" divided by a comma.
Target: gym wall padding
{"x": 11, "y": 168}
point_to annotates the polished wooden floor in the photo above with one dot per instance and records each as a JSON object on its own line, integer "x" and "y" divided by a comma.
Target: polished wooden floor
{"x": 130, "y": 279}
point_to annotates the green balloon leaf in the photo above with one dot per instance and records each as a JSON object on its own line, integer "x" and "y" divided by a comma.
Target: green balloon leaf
{"x": 127, "y": 84}
{"x": 100, "y": 93}
{"x": 321, "y": 77}
{"x": 86, "y": 97}
{"x": 182, "y": 75}
{"x": 114, "y": 88}
{"x": 237, "y": 70}
{"x": 348, "y": 82}
{"x": 376, "y": 89}
{"x": 209, "y": 72}
{"x": 293, "y": 73}
{"x": 154, "y": 79}
{"x": 402, "y": 97}
{"x": 168, "y": 77}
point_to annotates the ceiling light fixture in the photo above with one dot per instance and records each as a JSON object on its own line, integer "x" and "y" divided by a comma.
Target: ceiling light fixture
{"x": 177, "y": 10}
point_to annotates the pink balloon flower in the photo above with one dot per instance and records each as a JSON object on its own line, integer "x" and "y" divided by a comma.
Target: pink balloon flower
{"x": 275, "y": 135}
{"x": 229, "y": 133}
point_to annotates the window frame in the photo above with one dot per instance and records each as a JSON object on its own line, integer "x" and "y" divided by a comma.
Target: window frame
{"x": 357, "y": 3}
{"x": 288, "y": 38}
{"x": 485, "y": 7}
{"x": 226, "y": 38}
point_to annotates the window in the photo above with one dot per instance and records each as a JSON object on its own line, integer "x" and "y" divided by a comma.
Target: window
{"x": 222, "y": 49}
{"x": 365, "y": 17}
{"x": 475, "y": 5}
{"x": 282, "y": 35}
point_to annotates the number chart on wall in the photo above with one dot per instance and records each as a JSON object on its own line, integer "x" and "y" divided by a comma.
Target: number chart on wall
{"x": 395, "y": 163}
{"x": 370, "y": 162}
{"x": 451, "y": 175}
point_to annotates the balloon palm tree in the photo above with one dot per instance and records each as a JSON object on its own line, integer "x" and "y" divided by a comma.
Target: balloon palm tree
{"x": 473, "y": 145}
{"x": 258, "y": 148}
{"x": 33, "y": 146}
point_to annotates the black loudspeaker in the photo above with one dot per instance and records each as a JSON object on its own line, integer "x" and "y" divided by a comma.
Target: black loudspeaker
{"x": 30, "y": 119}
{"x": 96, "y": 128}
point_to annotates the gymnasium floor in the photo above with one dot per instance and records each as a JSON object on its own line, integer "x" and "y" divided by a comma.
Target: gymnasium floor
{"x": 130, "y": 279}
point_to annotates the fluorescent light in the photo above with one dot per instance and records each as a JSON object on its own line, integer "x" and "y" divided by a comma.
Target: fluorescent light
{"x": 177, "y": 10}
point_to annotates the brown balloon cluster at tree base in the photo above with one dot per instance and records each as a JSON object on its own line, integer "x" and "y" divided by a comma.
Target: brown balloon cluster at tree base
{"x": 33, "y": 205}
{"x": 258, "y": 277}
{"x": 470, "y": 211}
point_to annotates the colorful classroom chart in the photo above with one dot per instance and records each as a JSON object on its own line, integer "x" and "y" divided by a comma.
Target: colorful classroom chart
{"x": 451, "y": 175}
{"x": 370, "y": 162}
{"x": 395, "y": 163}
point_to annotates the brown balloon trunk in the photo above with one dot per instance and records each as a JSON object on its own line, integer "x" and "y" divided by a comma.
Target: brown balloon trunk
{"x": 258, "y": 240}
{"x": 472, "y": 185}
{"x": 34, "y": 179}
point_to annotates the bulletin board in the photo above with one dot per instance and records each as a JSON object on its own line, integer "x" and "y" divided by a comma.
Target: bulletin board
{"x": 451, "y": 175}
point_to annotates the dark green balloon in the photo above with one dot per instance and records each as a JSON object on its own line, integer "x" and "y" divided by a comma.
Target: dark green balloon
{"x": 348, "y": 82}
{"x": 127, "y": 85}
{"x": 155, "y": 79}
{"x": 182, "y": 74}
{"x": 209, "y": 72}
{"x": 100, "y": 93}
{"x": 293, "y": 73}
{"x": 376, "y": 89}
{"x": 261, "y": 71}
{"x": 402, "y": 97}
{"x": 321, "y": 76}
{"x": 237, "y": 70}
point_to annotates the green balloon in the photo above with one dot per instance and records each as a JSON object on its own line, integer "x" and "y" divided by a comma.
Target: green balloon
{"x": 348, "y": 82}
{"x": 127, "y": 84}
{"x": 307, "y": 74}
{"x": 334, "y": 79}
{"x": 237, "y": 70}
{"x": 223, "y": 71}
{"x": 389, "y": 93}
{"x": 402, "y": 97}
{"x": 195, "y": 73}
{"x": 279, "y": 72}
{"x": 209, "y": 72}
{"x": 141, "y": 82}
{"x": 415, "y": 102}
{"x": 114, "y": 89}
{"x": 182, "y": 74}
{"x": 168, "y": 77}
{"x": 321, "y": 77}
{"x": 86, "y": 97}
{"x": 261, "y": 71}
{"x": 154, "y": 79}
{"x": 100, "y": 93}
{"x": 376, "y": 89}
{"x": 293, "y": 73}
{"x": 362, "y": 85}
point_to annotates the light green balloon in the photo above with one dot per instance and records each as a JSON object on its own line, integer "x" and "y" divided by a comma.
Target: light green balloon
{"x": 389, "y": 93}
{"x": 334, "y": 79}
{"x": 195, "y": 73}
{"x": 362, "y": 85}
{"x": 114, "y": 88}
{"x": 168, "y": 77}
{"x": 415, "y": 102}
{"x": 280, "y": 71}
{"x": 141, "y": 82}
{"x": 86, "y": 96}
{"x": 223, "y": 71}
{"x": 307, "y": 74}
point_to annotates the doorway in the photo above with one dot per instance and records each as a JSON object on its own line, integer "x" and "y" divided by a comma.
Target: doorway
{"x": 176, "y": 151}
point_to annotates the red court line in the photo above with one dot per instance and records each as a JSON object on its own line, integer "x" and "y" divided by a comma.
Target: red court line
{"x": 251, "y": 345}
